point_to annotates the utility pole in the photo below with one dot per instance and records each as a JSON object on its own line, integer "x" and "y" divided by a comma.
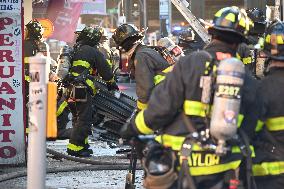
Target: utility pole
{"x": 128, "y": 7}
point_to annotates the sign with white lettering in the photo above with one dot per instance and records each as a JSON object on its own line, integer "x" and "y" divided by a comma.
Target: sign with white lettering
{"x": 12, "y": 145}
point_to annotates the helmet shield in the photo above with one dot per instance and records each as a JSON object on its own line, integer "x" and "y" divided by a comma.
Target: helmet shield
{"x": 126, "y": 32}
{"x": 231, "y": 20}
{"x": 90, "y": 35}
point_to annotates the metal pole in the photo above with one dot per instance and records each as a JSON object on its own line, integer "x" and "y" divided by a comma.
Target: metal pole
{"x": 144, "y": 14}
{"x": 170, "y": 18}
{"x": 246, "y": 4}
{"x": 37, "y": 122}
{"x": 282, "y": 10}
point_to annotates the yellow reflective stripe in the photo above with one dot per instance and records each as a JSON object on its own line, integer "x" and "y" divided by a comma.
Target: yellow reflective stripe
{"x": 141, "y": 125}
{"x": 61, "y": 108}
{"x": 242, "y": 22}
{"x": 261, "y": 42}
{"x": 240, "y": 120}
{"x": 267, "y": 38}
{"x": 90, "y": 83}
{"x": 238, "y": 56}
{"x": 27, "y": 78}
{"x": 268, "y": 168}
{"x": 168, "y": 69}
{"x": 74, "y": 147}
{"x": 208, "y": 170}
{"x": 259, "y": 126}
{"x": 175, "y": 142}
{"x": 141, "y": 105}
{"x": 26, "y": 60}
{"x": 247, "y": 60}
{"x": 275, "y": 124}
{"x": 194, "y": 108}
{"x": 75, "y": 74}
{"x": 158, "y": 79}
{"x": 231, "y": 17}
{"x": 86, "y": 141}
{"x": 111, "y": 80}
{"x": 109, "y": 62}
{"x": 27, "y": 130}
{"x": 279, "y": 39}
{"x": 81, "y": 63}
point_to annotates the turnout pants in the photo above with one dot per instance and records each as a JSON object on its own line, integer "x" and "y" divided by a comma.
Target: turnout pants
{"x": 62, "y": 119}
{"x": 83, "y": 117}
{"x": 267, "y": 182}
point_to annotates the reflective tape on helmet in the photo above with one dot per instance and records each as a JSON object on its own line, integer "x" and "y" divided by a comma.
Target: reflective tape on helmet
{"x": 275, "y": 124}
{"x": 158, "y": 79}
{"x": 141, "y": 125}
{"x": 194, "y": 108}
{"x": 61, "y": 108}
{"x": 259, "y": 126}
{"x": 81, "y": 63}
{"x": 90, "y": 83}
{"x": 219, "y": 13}
{"x": 268, "y": 168}
{"x": 141, "y": 105}
{"x": 231, "y": 17}
{"x": 74, "y": 147}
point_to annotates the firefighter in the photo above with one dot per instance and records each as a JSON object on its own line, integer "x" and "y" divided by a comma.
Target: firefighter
{"x": 149, "y": 66}
{"x": 64, "y": 59}
{"x": 187, "y": 41}
{"x": 248, "y": 52}
{"x": 176, "y": 104}
{"x": 86, "y": 58}
{"x": 268, "y": 167}
{"x": 32, "y": 39}
{"x": 104, "y": 47}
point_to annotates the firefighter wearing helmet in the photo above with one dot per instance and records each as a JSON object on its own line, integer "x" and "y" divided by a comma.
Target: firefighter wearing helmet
{"x": 180, "y": 108}
{"x": 147, "y": 64}
{"x": 64, "y": 59}
{"x": 32, "y": 41}
{"x": 189, "y": 41}
{"x": 268, "y": 167}
{"x": 81, "y": 89}
{"x": 248, "y": 52}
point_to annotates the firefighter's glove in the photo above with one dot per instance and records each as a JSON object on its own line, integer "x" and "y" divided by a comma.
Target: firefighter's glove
{"x": 112, "y": 86}
{"x": 127, "y": 131}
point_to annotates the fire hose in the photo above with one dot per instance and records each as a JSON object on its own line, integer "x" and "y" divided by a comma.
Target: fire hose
{"x": 95, "y": 165}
